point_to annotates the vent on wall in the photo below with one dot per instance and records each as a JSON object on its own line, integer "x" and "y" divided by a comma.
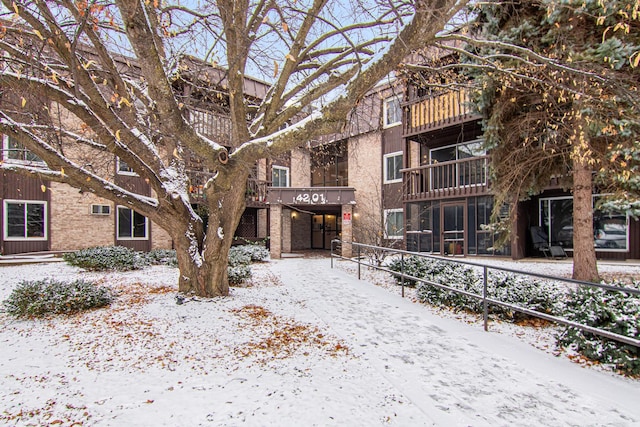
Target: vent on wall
{"x": 100, "y": 209}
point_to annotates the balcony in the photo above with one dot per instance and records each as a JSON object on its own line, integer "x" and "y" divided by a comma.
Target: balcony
{"x": 255, "y": 193}
{"x": 437, "y": 112}
{"x": 457, "y": 178}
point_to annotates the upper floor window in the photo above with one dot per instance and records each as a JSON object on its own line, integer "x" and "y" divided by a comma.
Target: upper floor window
{"x": 13, "y": 151}
{"x": 392, "y": 167}
{"x": 461, "y": 151}
{"x": 25, "y": 220}
{"x": 392, "y": 114}
{"x": 131, "y": 225}
{"x": 330, "y": 165}
{"x": 279, "y": 176}
{"x": 123, "y": 168}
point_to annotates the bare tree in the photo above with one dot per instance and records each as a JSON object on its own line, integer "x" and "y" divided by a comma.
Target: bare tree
{"x": 85, "y": 81}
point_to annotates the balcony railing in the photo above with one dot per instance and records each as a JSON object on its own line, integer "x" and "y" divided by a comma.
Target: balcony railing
{"x": 255, "y": 193}
{"x": 435, "y": 112}
{"x": 447, "y": 179}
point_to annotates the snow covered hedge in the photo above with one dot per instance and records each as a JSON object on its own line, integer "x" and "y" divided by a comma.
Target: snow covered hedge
{"x": 42, "y": 297}
{"x": 107, "y": 258}
{"x": 240, "y": 258}
{"x": 528, "y": 292}
{"x": 617, "y": 312}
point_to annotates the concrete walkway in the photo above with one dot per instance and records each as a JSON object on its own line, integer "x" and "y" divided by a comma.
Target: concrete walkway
{"x": 456, "y": 374}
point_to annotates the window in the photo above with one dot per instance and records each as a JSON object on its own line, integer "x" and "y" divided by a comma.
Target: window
{"x": 392, "y": 166}
{"x": 100, "y": 209}
{"x": 123, "y": 168}
{"x": 330, "y": 165}
{"x": 15, "y": 152}
{"x": 392, "y": 114}
{"x": 131, "y": 225}
{"x": 610, "y": 229}
{"x": 25, "y": 220}
{"x": 279, "y": 176}
{"x": 394, "y": 223}
{"x": 469, "y": 169}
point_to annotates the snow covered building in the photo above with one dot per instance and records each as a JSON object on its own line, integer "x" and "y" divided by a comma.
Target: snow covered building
{"x": 409, "y": 170}
{"x": 447, "y": 191}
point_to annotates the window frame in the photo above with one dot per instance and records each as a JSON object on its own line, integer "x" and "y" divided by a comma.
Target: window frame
{"x": 547, "y": 228}
{"x": 280, "y": 168}
{"x": 5, "y": 221}
{"x": 99, "y": 210}
{"x": 7, "y": 159}
{"x": 132, "y": 237}
{"x": 128, "y": 172}
{"x": 386, "y": 108}
{"x": 385, "y": 167}
{"x": 388, "y": 212}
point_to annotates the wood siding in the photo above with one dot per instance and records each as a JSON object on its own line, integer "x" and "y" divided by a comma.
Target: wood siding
{"x": 137, "y": 185}
{"x": 437, "y": 112}
{"x": 17, "y": 187}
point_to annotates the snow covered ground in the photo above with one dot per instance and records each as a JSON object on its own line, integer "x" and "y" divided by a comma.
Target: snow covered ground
{"x": 302, "y": 345}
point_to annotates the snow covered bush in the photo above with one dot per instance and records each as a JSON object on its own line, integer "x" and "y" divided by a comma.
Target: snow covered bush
{"x": 105, "y": 258}
{"x": 38, "y": 298}
{"x": 256, "y": 252}
{"x": 412, "y": 266}
{"x": 618, "y": 312}
{"x": 162, "y": 257}
{"x": 238, "y": 256}
{"x": 529, "y": 292}
{"x": 238, "y": 273}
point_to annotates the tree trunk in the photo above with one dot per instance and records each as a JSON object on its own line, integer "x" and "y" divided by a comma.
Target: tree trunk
{"x": 203, "y": 271}
{"x": 585, "y": 266}
{"x": 203, "y": 255}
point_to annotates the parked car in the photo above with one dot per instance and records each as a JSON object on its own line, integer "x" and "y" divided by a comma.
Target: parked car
{"x": 611, "y": 234}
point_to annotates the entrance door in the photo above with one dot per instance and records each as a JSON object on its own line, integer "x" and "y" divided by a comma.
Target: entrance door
{"x": 453, "y": 220}
{"x": 324, "y": 228}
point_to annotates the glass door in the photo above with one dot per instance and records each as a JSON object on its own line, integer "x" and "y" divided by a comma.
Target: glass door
{"x": 453, "y": 228}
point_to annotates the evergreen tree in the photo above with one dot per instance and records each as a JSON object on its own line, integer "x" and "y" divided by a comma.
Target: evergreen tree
{"x": 559, "y": 89}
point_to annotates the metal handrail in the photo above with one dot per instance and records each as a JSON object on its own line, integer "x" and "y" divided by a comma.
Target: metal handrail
{"x": 485, "y": 299}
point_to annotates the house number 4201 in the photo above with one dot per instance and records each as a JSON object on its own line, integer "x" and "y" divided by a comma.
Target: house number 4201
{"x": 310, "y": 198}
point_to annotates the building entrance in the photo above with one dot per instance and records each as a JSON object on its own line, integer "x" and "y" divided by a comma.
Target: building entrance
{"x": 325, "y": 228}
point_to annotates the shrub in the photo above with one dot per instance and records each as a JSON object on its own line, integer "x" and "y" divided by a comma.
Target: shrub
{"x": 413, "y": 266}
{"x": 534, "y": 294}
{"x": 618, "y": 312}
{"x": 255, "y": 252}
{"x": 238, "y": 256}
{"x": 106, "y": 258}
{"x": 38, "y": 298}
{"x": 162, "y": 257}
{"x": 238, "y": 274}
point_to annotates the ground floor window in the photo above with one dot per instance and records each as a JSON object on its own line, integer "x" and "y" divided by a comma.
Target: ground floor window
{"x": 454, "y": 227}
{"x": 25, "y": 220}
{"x": 611, "y": 230}
{"x": 131, "y": 224}
{"x": 394, "y": 223}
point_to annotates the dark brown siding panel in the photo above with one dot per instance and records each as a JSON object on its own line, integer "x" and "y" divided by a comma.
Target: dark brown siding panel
{"x": 136, "y": 245}
{"x": 392, "y": 138}
{"x": 392, "y": 196}
{"x": 18, "y": 187}
{"x": 137, "y": 185}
